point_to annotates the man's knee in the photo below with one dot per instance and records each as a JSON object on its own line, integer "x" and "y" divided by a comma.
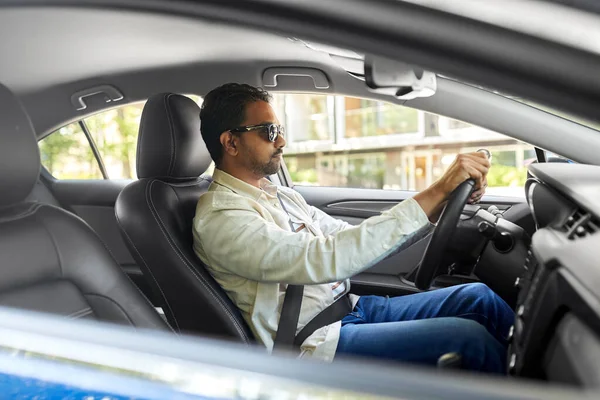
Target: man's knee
{"x": 479, "y": 291}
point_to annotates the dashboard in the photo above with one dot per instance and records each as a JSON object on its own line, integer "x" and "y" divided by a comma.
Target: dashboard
{"x": 556, "y": 334}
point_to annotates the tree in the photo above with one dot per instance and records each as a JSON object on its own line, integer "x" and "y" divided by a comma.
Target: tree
{"x": 115, "y": 134}
{"x": 127, "y": 120}
{"x": 54, "y": 147}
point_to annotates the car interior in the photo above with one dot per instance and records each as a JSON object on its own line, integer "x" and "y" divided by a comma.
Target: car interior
{"x": 70, "y": 271}
{"x": 120, "y": 250}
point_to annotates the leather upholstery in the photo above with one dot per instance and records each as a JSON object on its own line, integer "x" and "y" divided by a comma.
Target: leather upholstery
{"x": 170, "y": 146}
{"x": 19, "y": 170}
{"x": 51, "y": 260}
{"x": 155, "y": 215}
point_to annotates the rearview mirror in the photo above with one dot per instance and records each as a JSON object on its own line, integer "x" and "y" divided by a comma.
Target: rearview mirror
{"x": 398, "y": 79}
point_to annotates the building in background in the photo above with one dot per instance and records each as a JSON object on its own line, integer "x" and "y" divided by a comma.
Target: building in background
{"x": 350, "y": 142}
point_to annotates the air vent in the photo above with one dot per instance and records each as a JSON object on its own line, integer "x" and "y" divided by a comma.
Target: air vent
{"x": 581, "y": 224}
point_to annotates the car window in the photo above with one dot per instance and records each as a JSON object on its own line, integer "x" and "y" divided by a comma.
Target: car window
{"x": 67, "y": 153}
{"x": 115, "y": 133}
{"x": 358, "y": 143}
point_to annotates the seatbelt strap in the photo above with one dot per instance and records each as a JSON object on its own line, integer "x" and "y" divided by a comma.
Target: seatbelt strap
{"x": 290, "y": 311}
{"x": 288, "y": 320}
{"x": 335, "y": 312}
{"x": 286, "y": 338}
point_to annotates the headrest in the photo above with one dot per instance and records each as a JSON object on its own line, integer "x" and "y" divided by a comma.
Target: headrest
{"x": 170, "y": 145}
{"x": 19, "y": 153}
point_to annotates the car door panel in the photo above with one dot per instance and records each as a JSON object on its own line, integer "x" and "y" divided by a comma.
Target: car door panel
{"x": 364, "y": 203}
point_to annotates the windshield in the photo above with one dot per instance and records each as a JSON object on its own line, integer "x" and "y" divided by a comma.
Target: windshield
{"x": 550, "y": 110}
{"x": 564, "y": 115}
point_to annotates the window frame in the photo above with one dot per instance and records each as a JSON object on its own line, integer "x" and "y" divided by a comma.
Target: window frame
{"x": 94, "y": 148}
{"x": 48, "y": 175}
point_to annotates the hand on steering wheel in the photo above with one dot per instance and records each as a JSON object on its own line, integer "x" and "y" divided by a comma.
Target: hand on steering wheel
{"x": 460, "y": 171}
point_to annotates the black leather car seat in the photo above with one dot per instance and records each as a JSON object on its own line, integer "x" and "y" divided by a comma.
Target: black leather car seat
{"x": 50, "y": 260}
{"x": 155, "y": 214}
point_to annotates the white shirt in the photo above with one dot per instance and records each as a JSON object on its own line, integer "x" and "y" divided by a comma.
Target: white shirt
{"x": 243, "y": 235}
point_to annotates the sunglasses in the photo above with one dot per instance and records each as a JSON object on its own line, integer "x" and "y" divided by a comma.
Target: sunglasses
{"x": 272, "y": 131}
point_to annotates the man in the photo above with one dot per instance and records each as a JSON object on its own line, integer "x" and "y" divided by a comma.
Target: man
{"x": 256, "y": 238}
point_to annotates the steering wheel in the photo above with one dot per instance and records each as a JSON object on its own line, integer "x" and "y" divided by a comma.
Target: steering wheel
{"x": 434, "y": 253}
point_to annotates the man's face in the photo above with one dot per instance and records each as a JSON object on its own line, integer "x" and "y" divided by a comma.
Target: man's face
{"x": 256, "y": 152}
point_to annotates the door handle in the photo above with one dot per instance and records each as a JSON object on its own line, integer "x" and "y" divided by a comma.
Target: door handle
{"x": 320, "y": 80}
{"x": 111, "y": 94}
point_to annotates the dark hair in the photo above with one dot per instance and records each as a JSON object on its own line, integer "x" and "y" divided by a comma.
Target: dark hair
{"x": 224, "y": 108}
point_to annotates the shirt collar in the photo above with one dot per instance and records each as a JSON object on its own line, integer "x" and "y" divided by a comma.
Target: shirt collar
{"x": 245, "y": 189}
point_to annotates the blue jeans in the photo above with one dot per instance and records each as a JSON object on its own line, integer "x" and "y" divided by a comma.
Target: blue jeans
{"x": 468, "y": 319}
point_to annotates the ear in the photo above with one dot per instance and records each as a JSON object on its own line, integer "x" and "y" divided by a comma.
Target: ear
{"x": 229, "y": 142}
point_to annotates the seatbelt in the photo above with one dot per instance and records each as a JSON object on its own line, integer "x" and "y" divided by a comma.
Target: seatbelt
{"x": 335, "y": 312}
{"x": 288, "y": 321}
{"x": 290, "y": 311}
{"x": 286, "y": 337}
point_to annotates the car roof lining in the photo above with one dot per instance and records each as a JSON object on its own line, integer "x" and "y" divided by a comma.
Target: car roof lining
{"x": 72, "y": 44}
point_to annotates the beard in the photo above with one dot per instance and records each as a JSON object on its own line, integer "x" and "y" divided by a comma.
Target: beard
{"x": 268, "y": 168}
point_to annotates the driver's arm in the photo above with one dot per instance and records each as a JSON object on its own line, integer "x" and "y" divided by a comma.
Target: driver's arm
{"x": 433, "y": 199}
{"x": 238, "y": 239}
{"x": 327, "y": 224}
{"x": 248, "y": 245}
